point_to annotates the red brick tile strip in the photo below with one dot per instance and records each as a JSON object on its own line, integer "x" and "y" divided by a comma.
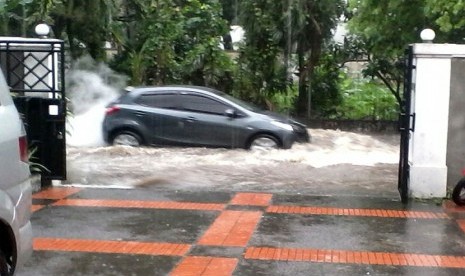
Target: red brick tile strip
{"x": 205, "y": 266}
{"x": 461, "y": 223}
{"x": 235, "y": 228}
{"x": 354, "y": 257}
{"x": 35, "y": 208}
{"x": 251, "y": 199}
{"x": 140, "y": 204}
{"x": 282, "y": 209}
{"x": 450, "y": 207}
{"x": 56, "y": 193}
{"x": 231, "y": 228}
{"x": 121, "y": 247}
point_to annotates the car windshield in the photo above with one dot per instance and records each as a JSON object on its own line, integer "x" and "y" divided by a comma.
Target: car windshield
{"x": 241, "y": 103}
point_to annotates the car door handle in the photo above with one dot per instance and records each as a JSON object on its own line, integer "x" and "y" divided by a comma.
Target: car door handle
{"x": 190, "y": 119}
{"x": 139, "y": 113}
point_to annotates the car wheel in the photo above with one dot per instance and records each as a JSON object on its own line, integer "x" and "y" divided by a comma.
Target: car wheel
{"x": 458, "y": 194}
{"x": 4, "y": 269}
{"x": 263, "y": 141}
{"x": 127, "y": 138}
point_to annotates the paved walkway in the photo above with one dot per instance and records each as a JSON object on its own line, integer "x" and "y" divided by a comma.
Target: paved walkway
{"x": 137, "y": 232}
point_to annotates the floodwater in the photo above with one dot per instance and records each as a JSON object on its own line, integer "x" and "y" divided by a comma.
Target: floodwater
{"x": 334, "y": 163}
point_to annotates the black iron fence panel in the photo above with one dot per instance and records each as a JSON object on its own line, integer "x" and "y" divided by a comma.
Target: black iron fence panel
{"x": 34, "y": 70}
{"x": 33, "y": 66}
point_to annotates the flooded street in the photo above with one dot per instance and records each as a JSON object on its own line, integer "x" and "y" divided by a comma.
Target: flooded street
{"x": 336, "y": 162}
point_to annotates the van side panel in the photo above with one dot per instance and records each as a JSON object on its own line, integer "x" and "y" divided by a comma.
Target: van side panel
{"x": 15, "y": 185}
{"x": 10, "y": 164}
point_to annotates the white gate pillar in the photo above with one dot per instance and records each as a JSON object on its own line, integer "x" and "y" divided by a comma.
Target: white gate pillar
{"x": 430, "y": 104}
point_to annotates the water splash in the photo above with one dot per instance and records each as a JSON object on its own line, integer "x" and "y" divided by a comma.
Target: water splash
{"x": 90, "y": 87}
{"x": 336, "y": 157}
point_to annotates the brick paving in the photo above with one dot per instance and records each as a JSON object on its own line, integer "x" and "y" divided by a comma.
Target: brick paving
{"x": 234, "y": 228}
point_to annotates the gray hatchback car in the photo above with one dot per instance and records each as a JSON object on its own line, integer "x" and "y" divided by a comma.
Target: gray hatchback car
{"x": 196, "y": 116}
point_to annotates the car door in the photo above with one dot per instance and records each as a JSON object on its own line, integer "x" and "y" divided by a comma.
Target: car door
{"x": 206, "y": 122}
{"x": 161, "y": 113}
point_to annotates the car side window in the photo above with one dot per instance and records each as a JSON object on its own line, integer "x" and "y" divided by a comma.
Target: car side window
{"x": 201, "y": 104}
{"x": 166, "y": 101}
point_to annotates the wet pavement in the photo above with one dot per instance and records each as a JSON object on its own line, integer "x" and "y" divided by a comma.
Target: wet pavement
{"x": 146, "y": 231}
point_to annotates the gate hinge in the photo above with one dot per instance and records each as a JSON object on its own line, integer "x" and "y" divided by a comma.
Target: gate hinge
{"x": 412, "y": 122}
{"x": 407, "y": 122}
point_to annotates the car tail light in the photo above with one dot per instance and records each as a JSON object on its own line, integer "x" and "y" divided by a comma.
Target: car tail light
{"x": 23, "y": 151}
{"x": 112, "y": 109}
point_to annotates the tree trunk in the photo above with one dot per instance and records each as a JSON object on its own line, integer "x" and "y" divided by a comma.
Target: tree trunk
{"x": 306, "y": 67}
{"x": 302, "y": 99}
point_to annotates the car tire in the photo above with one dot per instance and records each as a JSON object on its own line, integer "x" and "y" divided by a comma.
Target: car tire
{"x": 263, "y": 142}
{"x": 458, "y": 194}
{"x": 127, "y": 138}
{"x": 4, "y": 268}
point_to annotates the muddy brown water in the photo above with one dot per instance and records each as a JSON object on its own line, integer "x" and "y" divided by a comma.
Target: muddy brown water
{"x": 334, "y": 163}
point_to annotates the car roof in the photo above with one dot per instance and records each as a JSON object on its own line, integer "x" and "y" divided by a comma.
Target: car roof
{"x": 142, "y": 89}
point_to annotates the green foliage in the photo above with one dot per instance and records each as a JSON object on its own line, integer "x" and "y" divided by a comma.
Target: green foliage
{"x": 326, "y": 95}
{"x": 35, "y": 167}
{"x": 261, "y": 73}
{"x": 176, "y": 42}
{"x": 13, "y": 18}
{"x": 312, "y": 30}
{"x": 385, "y": 28}
{"x": 78, "y": 22}
{"x": 83, "y": 22}
{"x": 283, "y": 102}
{"x": 281, "y": 36}
{"x": 230, "y": 10}
{"x": 449, "y": 16}
{"x": 366, "y": 99}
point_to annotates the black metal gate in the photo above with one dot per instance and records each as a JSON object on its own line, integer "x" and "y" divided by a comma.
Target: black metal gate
{"x": 34, "y": 70}
{"x": 406, "y": 125}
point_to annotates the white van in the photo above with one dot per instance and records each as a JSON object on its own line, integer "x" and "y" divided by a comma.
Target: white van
{"x": 15, "y": 187}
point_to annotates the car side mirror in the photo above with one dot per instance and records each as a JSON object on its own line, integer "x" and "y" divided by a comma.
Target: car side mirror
{"x": 231, "y": 113}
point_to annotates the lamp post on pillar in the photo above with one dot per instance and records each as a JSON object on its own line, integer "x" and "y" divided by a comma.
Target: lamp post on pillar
{"x": 427, "y": 35}
{"x": 42, "y": 30}
{"x": 40, "y": 63}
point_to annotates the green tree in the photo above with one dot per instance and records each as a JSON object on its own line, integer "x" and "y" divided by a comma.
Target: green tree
{"x": 260, "y": 69}
{"x": 364, "y": 99}
{"x": 276, "y": 32}
{"x": 174, "y": 42}
{"x": 449, "y": 17}
{"x": 14, "y": 18}
{"x": 230, "y": 9}
{"x": 83, "y": 24}
{"x": 386, "y": 28}
{"x": 326, "y": 95}
{"x": 312, "y": 29}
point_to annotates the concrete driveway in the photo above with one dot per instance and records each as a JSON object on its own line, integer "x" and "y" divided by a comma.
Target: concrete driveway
{"x": 143, "y": 231}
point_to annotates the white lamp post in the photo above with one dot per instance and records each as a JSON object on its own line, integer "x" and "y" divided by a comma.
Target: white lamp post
{"x": 427, "y": 35}
{"x": 42, "y": 30}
